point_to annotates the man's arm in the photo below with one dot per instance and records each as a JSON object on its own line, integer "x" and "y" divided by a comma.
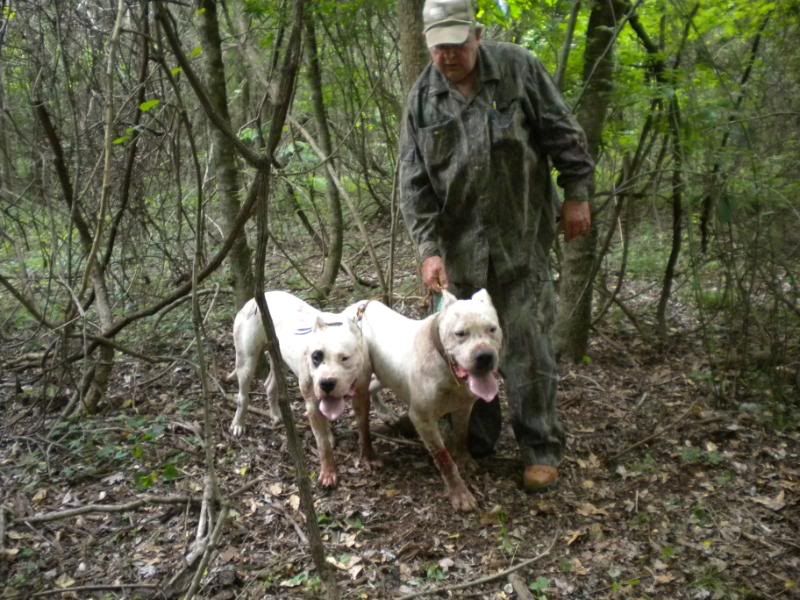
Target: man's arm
{"x": 564, "y": 142}
{"x": 420, "y": 206}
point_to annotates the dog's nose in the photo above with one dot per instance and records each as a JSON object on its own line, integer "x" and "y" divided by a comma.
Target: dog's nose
{"x": 327, "y": 385}
{"x": 484, "y": 361}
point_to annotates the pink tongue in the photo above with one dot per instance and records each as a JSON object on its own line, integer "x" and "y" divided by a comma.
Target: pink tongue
{"x": 332, "y": 408}
{"x": 484, "y": 387}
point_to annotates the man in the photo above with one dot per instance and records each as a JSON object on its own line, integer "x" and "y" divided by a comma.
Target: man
{"x": 483, "y": 124}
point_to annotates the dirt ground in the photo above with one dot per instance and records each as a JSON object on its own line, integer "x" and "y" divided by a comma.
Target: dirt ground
{"x": 665, "y": 492}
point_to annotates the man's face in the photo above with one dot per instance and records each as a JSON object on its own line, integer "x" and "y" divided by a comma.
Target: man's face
{"x": 457, "y": 61}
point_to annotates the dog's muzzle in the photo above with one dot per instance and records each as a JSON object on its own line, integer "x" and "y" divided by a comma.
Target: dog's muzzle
{"x": 482, "y": 377}
{"x": 331, "y": 406}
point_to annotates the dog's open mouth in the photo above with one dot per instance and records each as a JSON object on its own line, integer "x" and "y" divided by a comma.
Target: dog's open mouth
{"x": 332, "y": 407}
{"x": 483, "y": 385}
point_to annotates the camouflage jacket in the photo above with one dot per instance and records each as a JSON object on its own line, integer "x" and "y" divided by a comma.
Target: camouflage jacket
{"x": 475, "y": 180}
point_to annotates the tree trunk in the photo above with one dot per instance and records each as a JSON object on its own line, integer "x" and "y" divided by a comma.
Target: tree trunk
{"x": 575, "y": 309}
{"x": 413, "y": 52}
{"x": 333, "y": 257}
{"x": 223, "y": 154}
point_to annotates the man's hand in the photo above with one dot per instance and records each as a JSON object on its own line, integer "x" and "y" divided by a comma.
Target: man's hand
{"x": 576, "y": 219}
{"x": 433, "y": 274}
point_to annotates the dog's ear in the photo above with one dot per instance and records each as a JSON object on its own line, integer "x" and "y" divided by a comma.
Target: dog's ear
{"x": 482, "y": 296}
{"x": 447, "y": 298}
{"x": 319, "y": 324}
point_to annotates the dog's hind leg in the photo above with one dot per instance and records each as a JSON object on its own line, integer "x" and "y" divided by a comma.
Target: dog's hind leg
{"x": 271, "y": 387}
{"x": 245, "y": 370}
{"x": 428, "y": 428}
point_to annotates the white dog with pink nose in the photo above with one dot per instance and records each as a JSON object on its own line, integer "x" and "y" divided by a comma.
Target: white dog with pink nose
{"x": 327, "y": 354}
{"x": 440, "y": 366}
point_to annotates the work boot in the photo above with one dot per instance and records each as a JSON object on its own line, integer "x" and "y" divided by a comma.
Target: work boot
{"x": 537, "y": 478}
{"x": 485, "y": 424}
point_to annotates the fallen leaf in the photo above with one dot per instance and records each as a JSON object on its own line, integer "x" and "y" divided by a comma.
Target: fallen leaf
{"x": 587, "y": 509}
{"x": 664, "y": 578}
{"x": 39, "y": 496}
{"x": 294, "y": 501}
{"x": 276, "y": 489}
{"x": 64, "y": 581}
{"x": 573, "y": 536}
{"x": 776, "y": 503}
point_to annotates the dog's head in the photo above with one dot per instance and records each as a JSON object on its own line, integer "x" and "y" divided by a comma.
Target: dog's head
{"x": 471, "y": 339}
{"x": 334, "y": 361}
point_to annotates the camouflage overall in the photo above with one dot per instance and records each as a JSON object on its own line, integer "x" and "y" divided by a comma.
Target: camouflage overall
{"x": 475, "y": 189}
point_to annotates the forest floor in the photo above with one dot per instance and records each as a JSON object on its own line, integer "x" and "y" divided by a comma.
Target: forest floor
{"x": 665, "y": 492}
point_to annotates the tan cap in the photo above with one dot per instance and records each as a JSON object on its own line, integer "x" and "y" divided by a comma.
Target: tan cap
{"x": 447, "y": 21}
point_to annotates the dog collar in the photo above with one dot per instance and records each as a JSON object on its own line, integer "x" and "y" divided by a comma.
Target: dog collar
{"x": 306, "y": 330}
{"x": 437, "y": 343}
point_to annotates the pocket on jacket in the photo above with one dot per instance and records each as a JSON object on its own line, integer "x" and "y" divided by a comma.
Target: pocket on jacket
{"x": 437, "y": 143}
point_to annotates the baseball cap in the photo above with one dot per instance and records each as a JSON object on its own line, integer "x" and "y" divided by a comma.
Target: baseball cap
{"x": 447, "y": 21}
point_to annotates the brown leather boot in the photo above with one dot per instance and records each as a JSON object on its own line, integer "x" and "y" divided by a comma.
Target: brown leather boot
{"x": 537, "y": 478}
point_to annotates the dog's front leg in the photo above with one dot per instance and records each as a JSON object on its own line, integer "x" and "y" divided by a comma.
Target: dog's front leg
{"x": 428, "y": 428}
{"x": 459, "y": 419}
{"x": 322, "y": 433}
{"x": 361, "y": 403}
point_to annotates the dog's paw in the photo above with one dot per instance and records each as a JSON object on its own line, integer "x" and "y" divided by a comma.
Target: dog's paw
{"x": 466, "y": 464}
{"x": 327, "y": 477}
{"x": 236, "y": 429}
{"x": 369, "y": 462}
{"x": 462, "y": 499}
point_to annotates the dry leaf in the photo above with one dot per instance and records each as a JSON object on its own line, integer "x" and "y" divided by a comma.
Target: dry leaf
{"x": 776, "y": 503}
{"x": 294, "y": 501}
{"x": 573, "y": 536}
{"x": 587, "y": 509}
{"x": 664, "y": 578}
{"x": 64, "y": 581}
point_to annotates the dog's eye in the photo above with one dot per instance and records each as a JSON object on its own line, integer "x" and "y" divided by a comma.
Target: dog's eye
{"x": 344, "y": 358}
{"x": 316, "y": 357}
{"x": 492, "y": 329}
{"x": 461, "y": 333}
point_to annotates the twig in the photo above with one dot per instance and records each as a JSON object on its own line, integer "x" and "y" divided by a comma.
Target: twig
{"x": 2, "y": 527}
{"x": 486, "y": 579}
{"x": 654, "y": 435}
{"x": 209, "y": 548}
{"x": 108, "y": 508}
{"x": 299, "y": 530}
{"x": 519, "y": 587}
{"x": 94, "y": 588}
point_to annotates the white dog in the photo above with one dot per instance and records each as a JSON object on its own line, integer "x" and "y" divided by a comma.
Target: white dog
{"x": 439, "y": 366}
{"x": 327, "y": 354}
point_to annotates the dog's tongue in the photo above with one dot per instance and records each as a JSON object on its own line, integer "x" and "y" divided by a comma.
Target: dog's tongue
{"x": 332, "y": 408}
{"x": 484, "y": 387}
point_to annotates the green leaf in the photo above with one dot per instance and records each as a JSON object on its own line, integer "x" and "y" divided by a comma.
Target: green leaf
{"x": 170, "y": 472}
{"x": 540, "y": 585}
{"x": 121, "y": 140}
{"x": 149, "y": 105}
{"x": 196, "y": 52}
{"x": 175, "y": 71}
